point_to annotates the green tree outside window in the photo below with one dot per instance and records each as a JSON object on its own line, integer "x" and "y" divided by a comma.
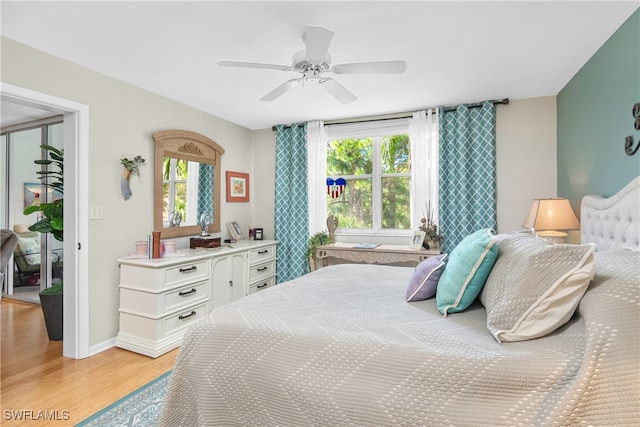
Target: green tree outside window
{"x": 377, "y": 171}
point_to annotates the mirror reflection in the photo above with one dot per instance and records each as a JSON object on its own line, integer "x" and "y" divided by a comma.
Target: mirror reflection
{"x": 187, "y": 192}
{"x": 186, "y": 183}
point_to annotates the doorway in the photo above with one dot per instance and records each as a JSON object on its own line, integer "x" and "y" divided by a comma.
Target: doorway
{"x": 76, "y": 210}
{"x": 38, "y": 259}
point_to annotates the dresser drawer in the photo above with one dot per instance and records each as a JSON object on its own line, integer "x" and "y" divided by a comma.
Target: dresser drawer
{"x": 182, "y": 319}
{"x": 261, "y": 271}
{"x": 156, "y": 305}
{"x": 262, "y": 284}
{"x": 148, "y": 329}
{"x": 184, "y": 296}
{"x": 186, "y": 273}
{"x": 260, "y": 255}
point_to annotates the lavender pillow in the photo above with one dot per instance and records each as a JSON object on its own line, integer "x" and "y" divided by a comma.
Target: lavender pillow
{"x": 424, "y": 281}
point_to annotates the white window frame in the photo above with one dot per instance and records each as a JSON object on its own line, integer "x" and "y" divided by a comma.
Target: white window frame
{"x": 376, "y": 177}
{"x": 422, "y": 129}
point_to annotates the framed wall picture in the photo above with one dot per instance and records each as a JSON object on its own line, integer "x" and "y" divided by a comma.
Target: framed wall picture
{"x": 237, "y": 187}
{"x": 32, "y": 194}
{"x": 235, "y": 230}
{"x": 417, "y": 239}
{"x": 258, "y": 234}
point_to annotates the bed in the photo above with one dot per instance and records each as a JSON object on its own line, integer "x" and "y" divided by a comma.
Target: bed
{"x": 342, "y": 346}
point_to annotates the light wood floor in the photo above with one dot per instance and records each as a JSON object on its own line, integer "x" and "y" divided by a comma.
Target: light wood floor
{"x": 35, "y": 377}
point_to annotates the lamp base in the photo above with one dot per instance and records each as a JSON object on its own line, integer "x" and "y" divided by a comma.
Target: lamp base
{"x": 552, "y": 236}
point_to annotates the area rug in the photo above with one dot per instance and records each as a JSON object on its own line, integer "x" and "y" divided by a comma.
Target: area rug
{"x": 140, "y": 408}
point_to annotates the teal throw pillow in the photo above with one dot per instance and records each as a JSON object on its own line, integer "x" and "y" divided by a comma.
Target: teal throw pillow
{"x": 467, "y": 269}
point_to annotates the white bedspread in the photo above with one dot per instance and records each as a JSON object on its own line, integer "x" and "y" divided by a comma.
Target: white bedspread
{"x": 340, "y": 346}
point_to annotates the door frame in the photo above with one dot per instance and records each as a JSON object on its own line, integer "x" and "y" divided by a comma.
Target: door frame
{"x": 76, "y": 211}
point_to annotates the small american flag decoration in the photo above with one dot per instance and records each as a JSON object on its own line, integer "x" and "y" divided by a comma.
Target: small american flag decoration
{"x": 335, "y": 187}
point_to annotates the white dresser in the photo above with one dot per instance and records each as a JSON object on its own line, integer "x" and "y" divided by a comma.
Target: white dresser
{"x": 159, "y": 298}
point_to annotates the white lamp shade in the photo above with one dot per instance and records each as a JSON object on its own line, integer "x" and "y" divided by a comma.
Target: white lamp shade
{"x": 551, "y": 214}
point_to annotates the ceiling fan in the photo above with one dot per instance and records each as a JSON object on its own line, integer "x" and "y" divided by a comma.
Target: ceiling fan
{"x": 314, "y": 61}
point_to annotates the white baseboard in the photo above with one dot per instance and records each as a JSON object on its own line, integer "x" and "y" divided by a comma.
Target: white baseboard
{"x": 99, "y": 348}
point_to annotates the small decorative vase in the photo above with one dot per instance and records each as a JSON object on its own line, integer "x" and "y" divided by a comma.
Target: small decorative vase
{"x": 142, "y": 247}
{"x": 430, "y": 244}
{"x": 124, "y": 185}
{"x": 170, "y": 246}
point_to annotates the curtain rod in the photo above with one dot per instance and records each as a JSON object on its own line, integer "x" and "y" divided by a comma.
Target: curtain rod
{"x": 504, "y": 101}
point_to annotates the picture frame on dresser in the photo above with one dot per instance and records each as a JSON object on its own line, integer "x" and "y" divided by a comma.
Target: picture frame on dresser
{"x": 258, "y": 234}
{"x": 235, "y": 230}
{"x": 417, "y": 239}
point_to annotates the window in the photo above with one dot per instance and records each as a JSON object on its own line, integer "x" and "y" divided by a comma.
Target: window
{"x": 390, "y": 172}
{"x": 376, "y": 196}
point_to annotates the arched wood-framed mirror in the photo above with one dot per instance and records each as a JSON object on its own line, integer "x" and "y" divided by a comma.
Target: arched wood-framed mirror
{"x": 186, "y": 181}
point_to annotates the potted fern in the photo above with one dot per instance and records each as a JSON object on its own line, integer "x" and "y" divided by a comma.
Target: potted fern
{"x": 51, "y": 222}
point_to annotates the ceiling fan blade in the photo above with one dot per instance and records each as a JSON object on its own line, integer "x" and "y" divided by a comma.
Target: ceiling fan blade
{"x": 281, "y": 89}
{"x": 337, "y": 90}
{"x": 317, "y": 40}
{"x": 254, "y": 65}
{"x": 370, "y": 67}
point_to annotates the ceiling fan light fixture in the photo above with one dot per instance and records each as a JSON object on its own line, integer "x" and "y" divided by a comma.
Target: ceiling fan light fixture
{"x": 315, "y": 60}
{"x": 302, "y": 64}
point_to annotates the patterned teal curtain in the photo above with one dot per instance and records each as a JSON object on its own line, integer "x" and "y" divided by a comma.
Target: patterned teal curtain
{"x": 205, "y": 190}
{"x": 291, "y": 206}
{"x": 467, "y": 180}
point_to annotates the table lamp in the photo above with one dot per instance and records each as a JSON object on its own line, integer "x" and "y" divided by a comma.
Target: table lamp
{"x": 547, "y": 216}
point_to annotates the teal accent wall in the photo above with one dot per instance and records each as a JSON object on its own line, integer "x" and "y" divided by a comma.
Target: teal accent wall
{"x": 594, "y": 117}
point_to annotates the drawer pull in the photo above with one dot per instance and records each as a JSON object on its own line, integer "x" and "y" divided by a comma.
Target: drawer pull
{"x": 187, "y": 270}
{"x": 193, "y": 313}
{"x": 182, "y": 293}
{"x": 263, "y": 252}
{"x": 262, "y": 286}
{"x": 262, "y": 269}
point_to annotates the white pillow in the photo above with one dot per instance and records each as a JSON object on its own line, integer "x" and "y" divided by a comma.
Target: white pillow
{"x": 29, "y": 245}
{"x": 535, "y": 286}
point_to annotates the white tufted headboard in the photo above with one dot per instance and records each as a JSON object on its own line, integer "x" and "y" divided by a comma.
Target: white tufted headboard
{"x": 612, "y": 222}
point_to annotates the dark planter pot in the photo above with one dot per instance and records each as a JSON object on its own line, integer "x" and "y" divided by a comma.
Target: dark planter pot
{"x": 52, "y": 310}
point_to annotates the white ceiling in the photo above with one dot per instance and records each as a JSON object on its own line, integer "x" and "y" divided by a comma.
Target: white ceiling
{"x": 455, "y": 51}
{"x": 13, "y": 113}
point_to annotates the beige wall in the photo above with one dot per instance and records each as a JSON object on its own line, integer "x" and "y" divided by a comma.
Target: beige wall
{"x": 123, "y": 117}
{"x": 525, "y": 157}
{"x": 264, "y": 168}
{"x": 122, "y": 120}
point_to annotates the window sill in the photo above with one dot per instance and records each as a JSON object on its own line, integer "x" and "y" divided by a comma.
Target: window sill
{"x": 397, "y": 237}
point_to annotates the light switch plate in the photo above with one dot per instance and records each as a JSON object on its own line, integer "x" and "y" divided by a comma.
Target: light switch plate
{"x": 96, "y": 212}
